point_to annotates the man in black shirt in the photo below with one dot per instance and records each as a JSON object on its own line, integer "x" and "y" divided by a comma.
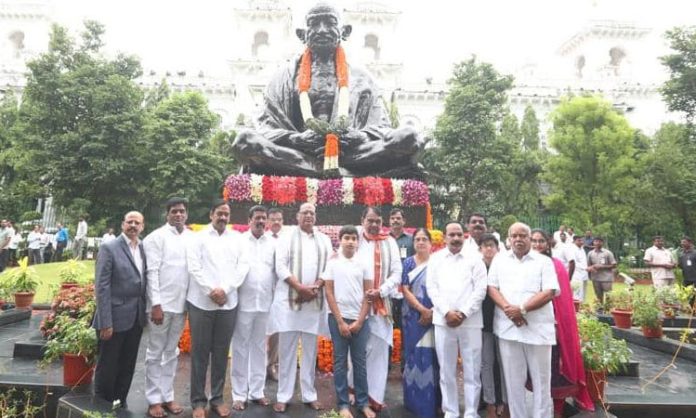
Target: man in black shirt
{"x": 687, "y": 261}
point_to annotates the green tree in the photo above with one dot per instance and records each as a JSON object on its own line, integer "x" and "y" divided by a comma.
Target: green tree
{"x": 592, "y": 177}
{"x": 82, "y": 121}
{"x": 180, "y": 158}
{"x": 667, "y": 193}
{"x": 530, "y": 129}
{"x": 468, "y": 162}
{"x": 680, "y": 90}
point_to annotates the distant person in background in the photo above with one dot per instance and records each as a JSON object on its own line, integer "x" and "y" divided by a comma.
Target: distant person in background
{"x": 600, "y": 265}
{"x": 580, "y": 274}
{"x": 687, "y": 262}
{"x": 14, "y": 245}
{"x": 80, "y": 239}
{"x": 588, "y": 241}
{"x": 44, "y": 243}
{"x": 108, "y": 236}
{"x": 5, "y": 238}
{"x": 661, "y": 263}
{"x": 557, "y": 234}
{"x": 34, "y": 245}
{"x": 62, "y": 237}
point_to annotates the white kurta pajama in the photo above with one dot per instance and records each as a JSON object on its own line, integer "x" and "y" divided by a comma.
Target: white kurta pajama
{"x": 457, "y": 282}
{"x": 526, "y": 348}
{"x": 298, "y": 322}
{"x": 248, "y": 372}
{"x": 381, "y": 327}
{"x": 167, "y": 284}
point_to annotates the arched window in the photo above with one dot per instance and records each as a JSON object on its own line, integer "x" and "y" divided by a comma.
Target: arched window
{"x": 616, "y": 56}
{"x": 17, "y": 40}
{"x": 372, "y": 42}
{"x": 579, "y": 65}
{"x": 260, "y": 40}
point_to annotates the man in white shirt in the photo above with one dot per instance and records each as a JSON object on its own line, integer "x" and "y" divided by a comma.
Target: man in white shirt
{"x": 44, "y": 241}
{"x": 34, "y": 245}
{"x": 167, "y": 284}
{"x": 522, "y": 283}
{"x": 380, "y": 254}
{"x": 108, "y": 236}
{"x": 661, "y": 263}
{"x": 248, "y": 374}
{"x": 80, "y": 239}
{"x": 275, "y": 229}
{"x": 298, "y": 311}
{"x": 457, "y": 286}
{"x": 557, "y": 234}
{"x": 476, "y": 225}
{"x": 564, "y": 250}
{"x": 580, "y": 274}
{"x": 216, "y": 270}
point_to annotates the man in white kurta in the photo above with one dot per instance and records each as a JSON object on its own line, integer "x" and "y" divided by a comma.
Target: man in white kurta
{"x": 298, "y": 312}
{"x": 274, "y": 224}
{"x": 457, "y": 286}
{"x": 580, "y": 275}
{"x": 248, "y": 374}
{"x": 167, "y": 284}
{"x": 386, "y": 279}
{"x": 476, "y": 225}
{"x": 217, "y": 269}
{"x": 522, "y": 283}
{"x": 661, "y": 263}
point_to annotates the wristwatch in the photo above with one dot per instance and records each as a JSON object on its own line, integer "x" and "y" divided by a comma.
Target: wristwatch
{"x": 523, "y": 311}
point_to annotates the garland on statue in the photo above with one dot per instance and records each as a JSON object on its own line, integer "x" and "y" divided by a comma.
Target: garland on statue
{"x": 304, "y": 82}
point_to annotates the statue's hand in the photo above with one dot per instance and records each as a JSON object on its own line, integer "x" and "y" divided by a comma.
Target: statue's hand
{"x": 307, "y": 141}
{"x": 320, "y": 127}
{"x": 340, "y": 125}
{"x": 352, "y": 140}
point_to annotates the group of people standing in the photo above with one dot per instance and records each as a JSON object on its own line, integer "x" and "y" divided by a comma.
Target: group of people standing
{"x": 505, "y": 316}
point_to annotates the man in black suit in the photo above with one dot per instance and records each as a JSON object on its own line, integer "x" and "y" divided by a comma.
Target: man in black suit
{"x": 120, "y": 316}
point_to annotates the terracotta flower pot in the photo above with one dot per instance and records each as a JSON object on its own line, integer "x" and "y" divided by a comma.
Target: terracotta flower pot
{"x": 596, "y": 381}
{"x": 76, "y": 371}
{"x": 23, "y": 299}
{"x": 622, "y": 319}
{"x": 69, "y": 285}
{"x": 652, "y": 332}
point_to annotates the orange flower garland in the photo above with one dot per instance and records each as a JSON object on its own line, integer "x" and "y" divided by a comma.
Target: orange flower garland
{"x": 185, "y": 339}
{"x": 304, "y": 82}
{"x": 325, "y": 355}
{"x": 396, "y": 347}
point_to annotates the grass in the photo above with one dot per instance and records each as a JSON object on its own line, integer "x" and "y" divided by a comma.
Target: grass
{"x": 49, "y": 280}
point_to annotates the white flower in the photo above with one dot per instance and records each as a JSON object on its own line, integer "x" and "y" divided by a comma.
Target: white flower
{"x": 312, "y": 189}
{"x": 396, "y": 189}
{"x": 256, "y": 188}
{"x": 347, "y": 190}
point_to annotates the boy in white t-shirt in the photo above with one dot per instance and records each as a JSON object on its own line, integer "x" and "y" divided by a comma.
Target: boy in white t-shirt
{"x": 346, "y": 282}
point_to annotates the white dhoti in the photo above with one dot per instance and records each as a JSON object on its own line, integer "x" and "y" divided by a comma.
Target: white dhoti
{"x": 518, "y": 359}
{"x": 248, "y": 372}
{"x": 161, "y": 358}
{"x": 449, "y": 342}
{"x": 287, "y": 366}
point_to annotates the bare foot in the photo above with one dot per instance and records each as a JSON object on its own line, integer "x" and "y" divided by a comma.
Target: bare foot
{"x": 156, "y": 411}
{"x": 345, "y": 413}
{"x": 280, "y": 407}
{"x": 221, "y": 410}
{"x": 368, "y": 412}
{"x": 238, "y": 405}
{"x": 173, "y": 407}
{"x": 198, "y": 412}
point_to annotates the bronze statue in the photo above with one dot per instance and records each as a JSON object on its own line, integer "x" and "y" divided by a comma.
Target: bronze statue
{"x": 322, "y": 117}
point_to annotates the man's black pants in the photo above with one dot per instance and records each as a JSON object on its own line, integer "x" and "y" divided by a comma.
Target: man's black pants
{"x": 116, "y": 364}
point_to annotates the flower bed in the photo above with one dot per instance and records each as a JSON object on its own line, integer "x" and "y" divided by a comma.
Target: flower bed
{"x": 285, "y": 190}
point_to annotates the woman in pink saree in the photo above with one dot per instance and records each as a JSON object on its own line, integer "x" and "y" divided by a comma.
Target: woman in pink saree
{"x": 567, "y": 369}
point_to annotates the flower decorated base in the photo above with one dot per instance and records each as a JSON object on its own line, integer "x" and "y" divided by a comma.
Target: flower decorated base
{"x": 339, "y": 201}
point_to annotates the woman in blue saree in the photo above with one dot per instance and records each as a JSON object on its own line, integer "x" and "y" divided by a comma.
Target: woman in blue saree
{"x": 421, "y": 370}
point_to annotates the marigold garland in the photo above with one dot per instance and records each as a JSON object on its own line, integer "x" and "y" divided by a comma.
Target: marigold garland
{"x": 396, "y": 347}
{"x": 428, "y": 216}
{"x": 324, "y": 355}
{"x": 185, "y": 339}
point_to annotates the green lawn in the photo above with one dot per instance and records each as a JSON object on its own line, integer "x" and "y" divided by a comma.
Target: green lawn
{"x": 49, "y": 281}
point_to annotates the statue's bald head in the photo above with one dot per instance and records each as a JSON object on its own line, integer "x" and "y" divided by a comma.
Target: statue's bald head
{"x": 322, "y": 9}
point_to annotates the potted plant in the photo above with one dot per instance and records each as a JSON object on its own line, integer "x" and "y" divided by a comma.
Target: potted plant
{"x": 621, "y": 303}
{"x": 70, "y": 274}
{"x": 24, "y": 281}
{"x": 646, "y": 312}
{"x": 76, "y": 342}
{"x": 601, "y": 353}
{"x": 669, "y": 301}
{"x": 685, "y": 295}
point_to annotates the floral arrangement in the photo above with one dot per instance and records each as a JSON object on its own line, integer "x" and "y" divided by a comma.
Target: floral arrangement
{"x": 74, "y": 303}
{"x": 284, "y": 190}
{"x": 396, "y": 347}
{"x": 325, "y": 355}
{"x": 185, "y": 339}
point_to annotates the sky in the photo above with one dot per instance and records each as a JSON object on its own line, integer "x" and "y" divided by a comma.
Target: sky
{"x": 196, "y": 35}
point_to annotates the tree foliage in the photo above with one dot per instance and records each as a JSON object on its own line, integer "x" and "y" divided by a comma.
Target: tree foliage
{"x": 530, "y": 129}
{"x": 680, "y": 90}
{"x": 468, "y": 161}
{"x": 593, "y": 173}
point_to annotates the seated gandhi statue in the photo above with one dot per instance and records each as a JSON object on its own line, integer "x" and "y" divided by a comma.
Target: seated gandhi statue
{"x": 323, "y": 118}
